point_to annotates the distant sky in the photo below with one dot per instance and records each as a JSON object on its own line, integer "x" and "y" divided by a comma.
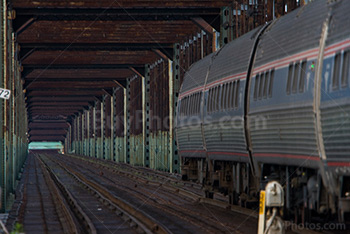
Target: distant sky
{"x": 45, "y": 145}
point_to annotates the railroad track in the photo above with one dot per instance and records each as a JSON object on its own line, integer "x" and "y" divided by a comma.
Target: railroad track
{"x": 179, "y": 210}
{"x": 170, "y": 182}
{"x": 43, "y": 209}
{"x": 97, "y": 209}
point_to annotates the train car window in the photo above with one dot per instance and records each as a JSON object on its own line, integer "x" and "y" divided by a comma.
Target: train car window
{"x": 229, "y": 93}
{"x": 346, "y": 67}
{"x": 267, "y": 76}
{"x": 211, "y": 100}
{"x": 199, "y": 95}
{"x": 183, "y": 106}
{"x": 302, "y": 77}
{"x": 256, "y": 86}
{"x": 272, "y": 76}
{"x": 222, "y": 96}
{"x": 199, "y": 103}
{"x": 187, "y": 110}
{"x": 217, "y": 106}
{"x": 236, "y": 93}
{"x": 215, "y": 98}
{"x": 226, "y": 97}
{"x": 193, "y": 104}
{"x": 208, "y": 101}
{"x": 295, "y": 77}
{"x": 261, "y": 84}
{"x": 336, "y": 71}
{"x": 232, "y": 104}
{"x": 289, "y": 80}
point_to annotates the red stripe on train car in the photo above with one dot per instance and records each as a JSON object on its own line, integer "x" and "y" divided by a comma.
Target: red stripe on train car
{"x": 229, "y": 153}
{"x": 338, "y": 164}
{"x": 192, "y": 151}
{"x": 315, "y": 158}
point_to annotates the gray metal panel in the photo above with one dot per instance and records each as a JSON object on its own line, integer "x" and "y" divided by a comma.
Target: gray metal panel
{"x": 189, "y": 138}
{"x": 289, "y": 131}
{"x": 295, "y": 32}
{"x": 225, "y": 137}
{"x": 336, "y": 130}
{"x": 339, "y": 25}
{"x": 234, "y": 57}
{"x": 195, "y": 76}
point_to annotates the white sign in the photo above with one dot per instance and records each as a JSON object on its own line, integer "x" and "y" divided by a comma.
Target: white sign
{"x": 5, "y": 93}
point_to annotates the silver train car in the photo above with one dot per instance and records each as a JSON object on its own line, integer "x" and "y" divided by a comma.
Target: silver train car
{"x": 274, "y": 104}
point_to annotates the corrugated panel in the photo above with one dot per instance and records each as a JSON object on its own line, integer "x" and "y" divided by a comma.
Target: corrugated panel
{"x": 225, "y": 137}
{"x": 234, "y": 57}
{"x": 286, "y": 131}
{"x": 339, "y": 25}
{"x": 295, "y": 32}
{"x": 336, "y": 131}
{"x": 190, "y": 138}
{"x": 195, "y": 77}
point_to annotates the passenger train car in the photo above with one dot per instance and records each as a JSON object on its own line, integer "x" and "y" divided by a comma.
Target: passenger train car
{"x": 274, "y": 104}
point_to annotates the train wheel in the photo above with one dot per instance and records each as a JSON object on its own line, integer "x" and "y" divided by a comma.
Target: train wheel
{"x": 209, "y": 194}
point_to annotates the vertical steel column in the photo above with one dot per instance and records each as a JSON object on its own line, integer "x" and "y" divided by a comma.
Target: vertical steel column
{"x": 80, "y": 134}
{"x": 113, "y": 125}
{"x": 75, "y": 134}
{"x": 83, "y": 132}
{"x": 174, "y": 87}
{"x": 5, "y": 120}
{"x": 111, "y": 128}
{"x": 146, "y": 115}
{"x": 226, "y": 25}
{"x": 86, "y": 132}
{"x": 127, "y": 121}
{"x": 2, "y": 67}
{"x": 103, "y": 127}
{"x": 93, "y": 140}
{"x": 98, "y": 128}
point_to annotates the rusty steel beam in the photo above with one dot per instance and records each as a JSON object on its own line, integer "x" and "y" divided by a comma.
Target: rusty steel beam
{"x": 47, "y": 132}
{"x": 201, "y": 23}
{"x": 62, "y": 92}
{"x": 23, "y": 26}
{"x": 37, "y": 84}
{"x": 47, "y": 138}
{"x": 94, "y": 46}
{"x": 58, "y": 104}
{"x": 76, "y": 79}
{"x": 168, "y": 13}
{"x": 49, "y": 125}
{"x": 50, "y": 98}
{"x": 125, "y": 4}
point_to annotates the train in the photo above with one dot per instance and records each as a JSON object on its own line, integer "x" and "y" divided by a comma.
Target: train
{"x": 274, "y": 105}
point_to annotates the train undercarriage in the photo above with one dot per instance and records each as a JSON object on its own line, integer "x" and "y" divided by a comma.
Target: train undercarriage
{"x": 307, "y": 200}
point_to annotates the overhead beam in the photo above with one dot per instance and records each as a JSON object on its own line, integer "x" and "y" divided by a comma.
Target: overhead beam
{"x": 37, "y": 84}
{"x": 201, "y": 23}
{"x": 135, "y": 14}
{"x": 80, "y": 66}
{"x": 94, "y": 46}
{"x": 140, "y": 71}
{"x": 76, "y": 79}
{"x": 166, "y": 55}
